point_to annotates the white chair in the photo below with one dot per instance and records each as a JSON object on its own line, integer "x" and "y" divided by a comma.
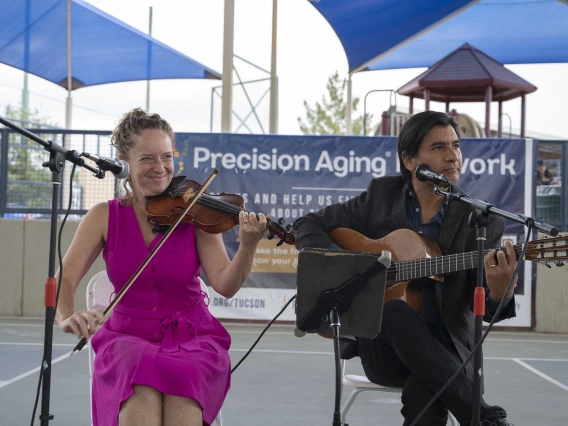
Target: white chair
{"x": 99, "y": 293}
{"x": 362, "y": 384}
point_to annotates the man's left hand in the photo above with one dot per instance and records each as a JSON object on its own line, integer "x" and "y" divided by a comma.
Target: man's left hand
{"x": 499, "y": 272}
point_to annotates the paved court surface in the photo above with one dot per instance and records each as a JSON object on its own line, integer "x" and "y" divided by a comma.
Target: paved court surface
{"x": 288, "y": 380}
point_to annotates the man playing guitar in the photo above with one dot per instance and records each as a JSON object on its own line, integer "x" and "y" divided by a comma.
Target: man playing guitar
{"x": 420, "y": 351}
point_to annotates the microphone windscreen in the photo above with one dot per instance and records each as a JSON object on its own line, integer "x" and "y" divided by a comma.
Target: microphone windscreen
{"x": 419, "y": 175}
{"x": 125, "y": 170}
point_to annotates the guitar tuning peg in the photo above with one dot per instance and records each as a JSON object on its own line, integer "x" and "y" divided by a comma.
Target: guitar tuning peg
{"x": 281, "y": 221}
{"x": 288, "y": 227}
{"x": 270, "y": 236}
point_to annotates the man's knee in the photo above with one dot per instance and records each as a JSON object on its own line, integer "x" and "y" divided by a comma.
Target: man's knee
{"x": 393, "y": 309}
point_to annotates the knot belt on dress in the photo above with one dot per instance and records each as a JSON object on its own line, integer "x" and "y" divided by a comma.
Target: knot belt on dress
{"x": 176, "y": 329}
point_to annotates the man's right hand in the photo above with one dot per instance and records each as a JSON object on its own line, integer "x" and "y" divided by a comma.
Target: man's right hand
{"x": 82, "y": 323}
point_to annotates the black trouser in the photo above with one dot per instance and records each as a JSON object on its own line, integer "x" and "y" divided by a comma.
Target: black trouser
{"x": 411, "y": 354}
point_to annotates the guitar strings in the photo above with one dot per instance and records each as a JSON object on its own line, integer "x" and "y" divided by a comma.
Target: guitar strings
{"x": 416, "y": 268}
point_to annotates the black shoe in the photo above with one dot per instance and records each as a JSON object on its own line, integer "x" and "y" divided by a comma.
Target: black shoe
{"x": 496, "y": 421}
{"x": 495, "y": 416}
{"x": 347, "y": 348}
{"x": 493, "y": 421}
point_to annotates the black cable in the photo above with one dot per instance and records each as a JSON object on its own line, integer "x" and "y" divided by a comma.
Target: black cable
{"x": 495, "y": 316}
{"x": 58, "y": 285}
{"x": 262, "y": 334}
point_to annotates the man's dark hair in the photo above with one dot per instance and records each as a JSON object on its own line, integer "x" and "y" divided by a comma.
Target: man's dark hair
{"x": 414, "y": 130}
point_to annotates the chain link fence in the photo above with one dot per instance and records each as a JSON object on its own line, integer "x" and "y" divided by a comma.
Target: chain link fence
{"x": 25, "y": 185}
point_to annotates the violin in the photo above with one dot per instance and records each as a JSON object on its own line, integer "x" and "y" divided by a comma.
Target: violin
{"x": 211, "y": 213}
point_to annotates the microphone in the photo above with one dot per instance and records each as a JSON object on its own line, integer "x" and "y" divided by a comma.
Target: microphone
{"x": 424, "y": 172}
{"x": 119, "y": 168}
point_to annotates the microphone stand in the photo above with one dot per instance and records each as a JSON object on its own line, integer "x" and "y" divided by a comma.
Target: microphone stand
{"x": 479, "y": 219}
{"x": 57, "y": 157}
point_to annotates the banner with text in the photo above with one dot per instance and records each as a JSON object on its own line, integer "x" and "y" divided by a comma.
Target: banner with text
{"x": 289, "y": 176}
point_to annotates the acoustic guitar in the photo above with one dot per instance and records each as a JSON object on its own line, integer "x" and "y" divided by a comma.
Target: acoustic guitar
{"x": 416, "y": 256}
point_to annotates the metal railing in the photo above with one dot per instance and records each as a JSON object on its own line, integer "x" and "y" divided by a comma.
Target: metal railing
{"x": 25, "y": 185}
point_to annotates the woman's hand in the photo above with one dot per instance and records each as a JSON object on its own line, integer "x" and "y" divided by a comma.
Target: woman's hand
{"x": 82, "y": 323}
{"x": 252, "y": 230}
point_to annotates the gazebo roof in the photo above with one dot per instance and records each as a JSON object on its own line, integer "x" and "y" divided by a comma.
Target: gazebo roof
{"x": 464, "y": 75}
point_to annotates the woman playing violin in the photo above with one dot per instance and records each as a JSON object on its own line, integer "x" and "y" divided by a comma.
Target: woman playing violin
{"x": 162, "y": 358}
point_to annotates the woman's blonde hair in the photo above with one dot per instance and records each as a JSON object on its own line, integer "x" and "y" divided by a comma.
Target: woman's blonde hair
{"x": 134, "y": 123}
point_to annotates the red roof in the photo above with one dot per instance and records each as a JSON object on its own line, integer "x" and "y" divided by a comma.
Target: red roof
{"x": 463, "y": 76}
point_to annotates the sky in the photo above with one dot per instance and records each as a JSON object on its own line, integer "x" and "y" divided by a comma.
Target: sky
{"x": 308, "y": 53}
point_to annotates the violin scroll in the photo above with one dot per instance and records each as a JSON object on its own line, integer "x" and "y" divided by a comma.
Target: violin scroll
{"x": 286, "y": 234}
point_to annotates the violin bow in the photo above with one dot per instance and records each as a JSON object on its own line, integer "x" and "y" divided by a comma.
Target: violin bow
{"x": 189, "y": 194}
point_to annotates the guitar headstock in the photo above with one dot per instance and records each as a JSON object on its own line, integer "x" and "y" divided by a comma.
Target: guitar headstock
{"x": 548, "y": 250}
{"x": 285, "y": 233}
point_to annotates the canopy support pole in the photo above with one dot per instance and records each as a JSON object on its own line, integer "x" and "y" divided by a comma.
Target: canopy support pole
{"x": 273, "y": 124}
{"x": 488, "y": 98}
{"x": 523, "y": 114}
{"x": 227, "y": 99}
{"x": 148, "y": 67}
{"x": 69, "y": 101}
{"x": 500, "y": 122}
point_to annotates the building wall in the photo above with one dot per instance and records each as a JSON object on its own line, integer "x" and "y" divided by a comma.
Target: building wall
{"x": 24, "y": 262}
{"x": 24, "y": 257}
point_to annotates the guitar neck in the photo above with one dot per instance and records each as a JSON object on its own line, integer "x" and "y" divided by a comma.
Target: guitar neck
{"x": 421, "y": 268}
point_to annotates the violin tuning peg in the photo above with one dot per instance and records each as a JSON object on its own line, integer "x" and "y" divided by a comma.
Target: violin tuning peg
{"x": 558, "y": 263}
{"x": 547, "y": 265}
{"x": 281, "y": 221}
{"x": 288, "y": 227}
{"x": 280, "y": 243}
{"x": 270, "y": 236}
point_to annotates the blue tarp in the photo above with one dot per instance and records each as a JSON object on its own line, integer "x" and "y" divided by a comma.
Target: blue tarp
{"x": 390, "y": 34}
{"x": 33, "y": 38}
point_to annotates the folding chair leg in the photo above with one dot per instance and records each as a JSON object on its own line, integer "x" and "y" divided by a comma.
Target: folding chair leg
{"x": 349, "y": 402}
{"x": 218, "y": 420}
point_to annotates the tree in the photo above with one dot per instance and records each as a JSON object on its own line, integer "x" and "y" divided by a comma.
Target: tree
{"x": 25, "y": 158}
{"x": 329, "y": 117}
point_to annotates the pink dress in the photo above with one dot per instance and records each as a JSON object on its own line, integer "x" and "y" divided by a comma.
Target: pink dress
{"x": 161, "y": 334}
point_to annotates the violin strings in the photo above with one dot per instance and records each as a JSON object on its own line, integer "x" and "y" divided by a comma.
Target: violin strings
{"x": 223, "y": 206}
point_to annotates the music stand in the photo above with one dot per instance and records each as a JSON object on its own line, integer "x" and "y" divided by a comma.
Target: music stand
{"x": 339, "y": 286}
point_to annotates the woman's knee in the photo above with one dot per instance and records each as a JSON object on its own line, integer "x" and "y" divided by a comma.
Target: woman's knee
{"x": 147, "y": 395}
{"x": 182, "y": 411}
{"x": 181, "y": 401}
{"x": 144, "y": 404}
{"x": 144, "y": 399}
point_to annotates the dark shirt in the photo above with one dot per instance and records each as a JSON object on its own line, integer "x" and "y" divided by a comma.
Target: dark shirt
{"x": 432, "y": 230}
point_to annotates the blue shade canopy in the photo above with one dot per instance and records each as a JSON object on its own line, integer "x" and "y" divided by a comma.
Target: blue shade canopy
{"x": 390, "y": 34}
{"x": 369, "y": 28}
{"x": 33, "y": 38}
